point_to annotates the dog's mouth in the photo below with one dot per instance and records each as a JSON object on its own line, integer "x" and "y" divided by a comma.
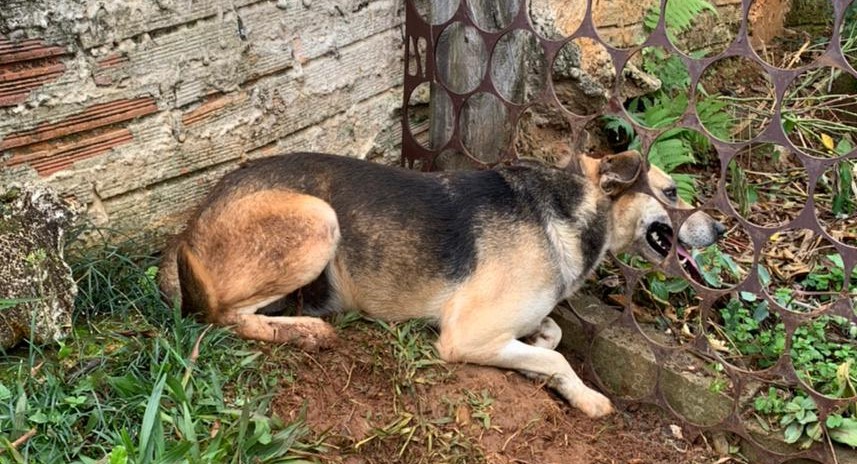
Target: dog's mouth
{"x": 659, "y": 237}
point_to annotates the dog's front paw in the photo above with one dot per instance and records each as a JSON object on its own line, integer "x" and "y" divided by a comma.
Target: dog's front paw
{"x": 593, "y": 404}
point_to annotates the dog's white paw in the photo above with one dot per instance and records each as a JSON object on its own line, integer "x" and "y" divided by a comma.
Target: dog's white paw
{"x": 593, "y": 404}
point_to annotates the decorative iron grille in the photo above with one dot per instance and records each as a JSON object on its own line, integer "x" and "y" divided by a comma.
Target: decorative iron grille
{"x": 817, "y": 160}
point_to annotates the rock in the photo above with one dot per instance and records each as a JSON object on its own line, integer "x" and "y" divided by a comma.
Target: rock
{"x": 37, "y": 290}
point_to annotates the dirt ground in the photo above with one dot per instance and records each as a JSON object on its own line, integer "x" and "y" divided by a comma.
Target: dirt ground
{"x": 380, "y": 396}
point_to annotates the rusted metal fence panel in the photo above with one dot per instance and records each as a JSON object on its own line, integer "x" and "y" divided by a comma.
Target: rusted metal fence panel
{"x": 442, "y": 141}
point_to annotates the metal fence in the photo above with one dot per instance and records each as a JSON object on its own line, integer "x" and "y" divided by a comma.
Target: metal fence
{"x": 814, "y": 153}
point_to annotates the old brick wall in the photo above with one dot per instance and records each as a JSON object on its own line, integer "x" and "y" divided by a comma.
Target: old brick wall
{"x": 135, "y": 108}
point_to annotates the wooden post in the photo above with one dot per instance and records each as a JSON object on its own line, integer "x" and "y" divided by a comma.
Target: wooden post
{"x": 462, "y": 63}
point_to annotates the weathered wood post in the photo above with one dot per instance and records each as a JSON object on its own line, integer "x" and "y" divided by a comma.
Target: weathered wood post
{"x": 462, "y": 63}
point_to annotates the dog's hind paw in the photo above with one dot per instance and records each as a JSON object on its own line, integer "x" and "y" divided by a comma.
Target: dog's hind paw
{"x": 306, "y": 333}
{"x": 308, "y": 336}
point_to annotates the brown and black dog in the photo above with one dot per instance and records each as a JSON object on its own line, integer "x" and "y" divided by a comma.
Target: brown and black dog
{"x": 485, "y": 254}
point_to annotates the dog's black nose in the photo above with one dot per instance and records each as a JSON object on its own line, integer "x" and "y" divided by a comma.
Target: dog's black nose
{"x": 720, "y": 229}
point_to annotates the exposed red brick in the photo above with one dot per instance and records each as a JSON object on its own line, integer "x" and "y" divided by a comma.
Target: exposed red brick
{"x": 211, "y": 107}
{"x": 26, "y": 50}
{"x": 101, "y": 115}
{"x": 52, "y": 147}
{"x": 108, "y": 69}
{"x": 114, "y": 59}
{"x": 49, "y": 157}
{"x": 26, "y": 65}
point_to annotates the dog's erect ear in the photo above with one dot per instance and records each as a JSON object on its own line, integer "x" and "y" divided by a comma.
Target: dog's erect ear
{"x": 618, "y": 172}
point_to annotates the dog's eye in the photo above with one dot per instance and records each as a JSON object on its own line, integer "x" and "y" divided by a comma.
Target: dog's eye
{"x": 671, "y": 194}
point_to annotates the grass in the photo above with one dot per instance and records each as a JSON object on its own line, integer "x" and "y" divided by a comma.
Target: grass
{"x": 137, "y": 383}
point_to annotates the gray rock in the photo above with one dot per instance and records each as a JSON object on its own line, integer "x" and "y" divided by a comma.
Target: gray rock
{"x": 37, "y": 290}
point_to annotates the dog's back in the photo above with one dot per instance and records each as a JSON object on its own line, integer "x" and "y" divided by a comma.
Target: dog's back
{"x": 403, "y": 232}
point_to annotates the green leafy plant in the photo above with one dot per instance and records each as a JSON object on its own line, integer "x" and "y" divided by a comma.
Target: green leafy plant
{"x": 669, "y": 69}
{"x": 828, "y": 275}
{"x": 713, "y": 264}
{"x": 800, "y": 422}
{"x": 823, "y": 353}
{"x": 842, "y": 429}
{"x": 680, "y": 15}
{"x": 751, "y": 331}
{"x": 796, "y": 415}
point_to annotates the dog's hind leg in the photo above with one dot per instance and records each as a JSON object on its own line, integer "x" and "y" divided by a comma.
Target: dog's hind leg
{"x": 308, "y": 333}
{"x": 255, "y": 250}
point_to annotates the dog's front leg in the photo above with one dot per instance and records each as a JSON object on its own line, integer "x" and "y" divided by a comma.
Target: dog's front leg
{"x": 553, "y": 366}
{"x": 531, "y": 360}
{"x": 548, "y": 335}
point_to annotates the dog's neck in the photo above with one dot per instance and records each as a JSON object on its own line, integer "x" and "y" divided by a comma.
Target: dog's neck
{"x": 579, "y": 247}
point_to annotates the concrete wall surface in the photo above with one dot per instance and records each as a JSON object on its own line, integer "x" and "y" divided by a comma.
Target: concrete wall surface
{"x": 135, "y": 108}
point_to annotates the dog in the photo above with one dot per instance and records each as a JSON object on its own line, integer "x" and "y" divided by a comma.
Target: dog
{"x": 484, "y": 254}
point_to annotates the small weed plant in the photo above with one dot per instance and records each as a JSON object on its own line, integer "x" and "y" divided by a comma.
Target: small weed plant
{"x": 823, "y": 351}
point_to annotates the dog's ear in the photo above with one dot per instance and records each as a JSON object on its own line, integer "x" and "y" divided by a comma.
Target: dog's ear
{"x": 618, "y": 172}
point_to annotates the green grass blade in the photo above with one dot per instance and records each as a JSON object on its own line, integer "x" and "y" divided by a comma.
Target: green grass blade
{"x": 153, "y": 406}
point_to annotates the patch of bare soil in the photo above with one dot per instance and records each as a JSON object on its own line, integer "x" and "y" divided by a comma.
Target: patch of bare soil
{"x": 380, "y": 396}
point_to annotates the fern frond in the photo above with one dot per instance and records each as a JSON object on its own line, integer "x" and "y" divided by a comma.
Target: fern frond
{"x": 686, "y": 186}
{"x": 680, "y": 15}
{"x": 671, "y": 153}
{"x": 712, "y": 115}
{"x": 618, "y": 125}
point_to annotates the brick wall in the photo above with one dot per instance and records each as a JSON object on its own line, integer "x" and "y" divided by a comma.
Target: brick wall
{"x": 135, "y": 108}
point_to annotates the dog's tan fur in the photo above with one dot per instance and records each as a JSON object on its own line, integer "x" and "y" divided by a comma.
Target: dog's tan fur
{"x": 256, "y": 240}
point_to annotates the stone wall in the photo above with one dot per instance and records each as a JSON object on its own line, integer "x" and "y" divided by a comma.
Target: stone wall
{"x": 133, "y": 109}
{"x": 620, "y": 23}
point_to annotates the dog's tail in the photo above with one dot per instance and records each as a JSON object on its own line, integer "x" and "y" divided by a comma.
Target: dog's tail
{"x": 195, "y": 283}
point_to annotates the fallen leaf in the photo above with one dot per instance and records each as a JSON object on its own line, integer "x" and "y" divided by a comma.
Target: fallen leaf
{"x": 717, "y": 345}
{"x": 827, "y": 141}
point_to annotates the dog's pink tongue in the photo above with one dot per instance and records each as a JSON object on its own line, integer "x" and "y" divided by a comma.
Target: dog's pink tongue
{"x": 682, "y": 253}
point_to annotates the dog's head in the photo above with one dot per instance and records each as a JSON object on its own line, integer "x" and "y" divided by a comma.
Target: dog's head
{"x": 640, "y": 221}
